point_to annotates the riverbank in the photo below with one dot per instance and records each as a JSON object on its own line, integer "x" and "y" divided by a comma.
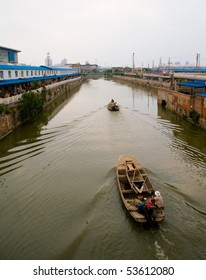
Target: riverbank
{"x": 9, "y": 122}
{"x": 191, "y": 107}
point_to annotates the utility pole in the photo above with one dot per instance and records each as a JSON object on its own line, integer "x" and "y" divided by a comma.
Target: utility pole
{"x": 197, "y": 61}
{"x": 169, "y": 64}
{"x": 160, "y": 64}
{"x": 133, "y": 66}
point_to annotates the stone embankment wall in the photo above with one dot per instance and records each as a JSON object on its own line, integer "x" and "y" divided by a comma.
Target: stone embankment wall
{"x": 184, "y": 104}
{"x": 11, "y": 121}
{"x": 54, "y": 91}
{"x": 142, "y": 82}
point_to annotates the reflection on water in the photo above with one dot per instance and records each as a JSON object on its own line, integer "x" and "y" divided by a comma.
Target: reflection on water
{"x": 58, "y": 192}
{"x": 187, "y": 132}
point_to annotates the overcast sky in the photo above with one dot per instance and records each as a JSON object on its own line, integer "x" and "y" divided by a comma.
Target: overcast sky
{"x": 106, "y": 32}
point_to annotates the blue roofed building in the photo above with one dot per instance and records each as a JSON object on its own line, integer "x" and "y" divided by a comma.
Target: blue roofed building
{"x": 8, "y": 55}
{"x": 18, "y": 78}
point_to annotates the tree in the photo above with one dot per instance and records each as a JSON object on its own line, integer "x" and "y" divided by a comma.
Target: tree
{"x": 31, "y": 104}
{"x": 4, "y": 109}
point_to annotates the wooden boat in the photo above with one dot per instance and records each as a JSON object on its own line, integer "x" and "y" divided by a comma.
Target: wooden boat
{"x": 112, "y": 106}
{"x": 133, "y": 180}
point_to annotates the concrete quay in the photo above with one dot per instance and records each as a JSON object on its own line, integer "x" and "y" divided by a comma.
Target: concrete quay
{"x": 9, "y": 122}
{"x": 185, "y": 105}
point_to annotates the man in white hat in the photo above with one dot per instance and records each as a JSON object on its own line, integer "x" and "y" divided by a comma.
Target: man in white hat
{"x": 158, "y": 200}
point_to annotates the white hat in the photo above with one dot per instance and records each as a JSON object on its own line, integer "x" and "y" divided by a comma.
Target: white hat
{"x": 157, "y": 193}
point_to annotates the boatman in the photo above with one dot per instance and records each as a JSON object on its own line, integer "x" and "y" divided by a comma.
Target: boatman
{"x": 158, "y": 200}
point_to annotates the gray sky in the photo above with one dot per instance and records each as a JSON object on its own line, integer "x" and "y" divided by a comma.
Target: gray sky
{"x": 106, "y": 32}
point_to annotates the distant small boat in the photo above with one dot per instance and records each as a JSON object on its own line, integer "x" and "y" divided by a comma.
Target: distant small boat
{"x": 133, "y": 181}
{"x": 112, "y": 106}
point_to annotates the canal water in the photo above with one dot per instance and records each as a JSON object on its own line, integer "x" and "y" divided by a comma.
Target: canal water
{"x": 58, "y": 191}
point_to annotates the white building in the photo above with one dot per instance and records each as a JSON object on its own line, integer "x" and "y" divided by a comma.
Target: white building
{"x": 48, "y": 60}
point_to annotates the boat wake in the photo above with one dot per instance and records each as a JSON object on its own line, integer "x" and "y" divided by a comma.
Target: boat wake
{"x": 90, "y": 219}
{"x": 159, "y": 252}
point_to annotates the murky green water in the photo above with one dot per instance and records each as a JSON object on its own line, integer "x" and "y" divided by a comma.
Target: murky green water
{"x": 58, "y": 194}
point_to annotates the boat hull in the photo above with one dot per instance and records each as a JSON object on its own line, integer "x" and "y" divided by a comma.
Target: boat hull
{"x": 129, "y": 194}
{"x": 112, "y": 107}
